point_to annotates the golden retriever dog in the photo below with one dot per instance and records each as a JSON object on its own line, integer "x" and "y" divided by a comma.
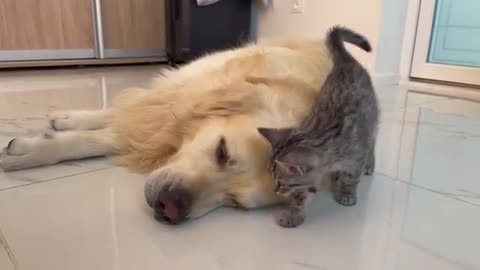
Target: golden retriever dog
{"x": 194, "y": 131}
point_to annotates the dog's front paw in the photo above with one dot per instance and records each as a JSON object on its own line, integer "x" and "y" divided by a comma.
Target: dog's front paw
{"x": 27, "y": 152}
{"x": 14, "y": 148}
{"x": 9, "y": 161}
{"x": 17, "y": 147}
{"x": 288, "y": 219}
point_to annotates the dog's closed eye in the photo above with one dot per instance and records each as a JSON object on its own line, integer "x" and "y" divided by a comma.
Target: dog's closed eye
{"x": 221, "y": 153}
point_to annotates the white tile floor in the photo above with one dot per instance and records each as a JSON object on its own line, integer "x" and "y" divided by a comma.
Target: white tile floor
{"x": 421, "y": 209}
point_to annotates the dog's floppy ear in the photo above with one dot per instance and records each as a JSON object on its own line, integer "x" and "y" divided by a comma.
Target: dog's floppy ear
{"x": 275, "y": 135}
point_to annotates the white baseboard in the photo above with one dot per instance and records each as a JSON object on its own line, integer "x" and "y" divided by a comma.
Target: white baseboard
{"x": 382, "y": 79}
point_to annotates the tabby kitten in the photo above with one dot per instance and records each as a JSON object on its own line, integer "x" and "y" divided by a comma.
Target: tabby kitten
{"x": 336, "y": 139}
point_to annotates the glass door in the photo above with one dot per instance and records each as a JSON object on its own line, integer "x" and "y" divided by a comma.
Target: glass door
{"x": 447, "y": 44}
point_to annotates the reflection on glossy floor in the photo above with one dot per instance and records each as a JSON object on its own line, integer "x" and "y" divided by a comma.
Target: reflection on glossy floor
{"x": 421, "y": 209}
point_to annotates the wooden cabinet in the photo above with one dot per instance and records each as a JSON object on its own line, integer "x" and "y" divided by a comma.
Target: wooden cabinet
{"x": 46, "y": 29}
{"x": 133, "y": 27}
{"x": 60, "y": 30}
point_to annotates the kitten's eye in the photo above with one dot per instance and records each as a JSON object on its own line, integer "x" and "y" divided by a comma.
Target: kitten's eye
{"x": 278, "y": 177}
{"x": 221, "y": 153}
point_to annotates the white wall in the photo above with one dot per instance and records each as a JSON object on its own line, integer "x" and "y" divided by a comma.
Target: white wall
{"x": 318, "y": 16}
{"x": 381, "y": 21}
{"x": 390, "y": 40}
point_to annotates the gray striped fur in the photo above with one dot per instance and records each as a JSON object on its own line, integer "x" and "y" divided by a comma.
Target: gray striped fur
{"x": 336, "y": 139}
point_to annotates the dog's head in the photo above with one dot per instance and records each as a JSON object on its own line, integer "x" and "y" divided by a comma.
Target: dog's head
{"x": 205, "y": 150}
{"x": 224, "y": 163}
{"x": 202, "y": 149}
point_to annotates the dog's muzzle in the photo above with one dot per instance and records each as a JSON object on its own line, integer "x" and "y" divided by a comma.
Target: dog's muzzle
{"x": 171, "y": 202}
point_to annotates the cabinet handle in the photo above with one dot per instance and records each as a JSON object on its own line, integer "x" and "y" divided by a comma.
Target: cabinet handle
{"x": 98, "y": 29}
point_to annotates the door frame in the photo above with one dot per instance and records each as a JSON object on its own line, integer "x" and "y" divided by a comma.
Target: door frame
{"x": 421, "y": 68}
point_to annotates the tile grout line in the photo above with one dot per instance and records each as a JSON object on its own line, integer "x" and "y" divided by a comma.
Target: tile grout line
{"x": 4, "y": 242}
{"x": 413, "y": 157}
{"x": 405, "y": 105}
{"x": 57, "y": 178}
{"x": 447, "y": 96}
{"x": 402, "y": 133}
{"x": 446, "y": 194}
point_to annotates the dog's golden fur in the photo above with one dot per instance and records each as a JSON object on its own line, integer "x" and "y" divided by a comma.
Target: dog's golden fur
{"x": 171, "y": 130}
{"x": 152, "y": 125}
{"x": 233, "y": 94}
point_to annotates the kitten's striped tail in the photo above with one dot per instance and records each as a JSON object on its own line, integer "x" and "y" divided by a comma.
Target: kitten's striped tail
{"x": 335, "y": 38}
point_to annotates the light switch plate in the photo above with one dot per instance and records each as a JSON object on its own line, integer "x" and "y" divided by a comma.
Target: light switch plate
{"x": 297, "y": 6}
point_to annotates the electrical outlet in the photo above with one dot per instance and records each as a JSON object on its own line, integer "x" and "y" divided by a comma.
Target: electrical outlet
{"x": 297, "y": 6}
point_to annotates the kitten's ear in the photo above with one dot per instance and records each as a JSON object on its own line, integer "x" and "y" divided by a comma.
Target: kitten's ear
{"x": 275, "y": 135}
{"x": 292, "y": 169}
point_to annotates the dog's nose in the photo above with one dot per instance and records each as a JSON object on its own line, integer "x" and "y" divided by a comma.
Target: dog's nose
{"x": 172, "y": 205}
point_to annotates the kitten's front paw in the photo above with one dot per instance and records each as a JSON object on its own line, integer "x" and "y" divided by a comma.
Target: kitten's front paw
{"x": 288, "y": 219}
{"x": 369, "y": 170}
{"x": 346, "y": 199}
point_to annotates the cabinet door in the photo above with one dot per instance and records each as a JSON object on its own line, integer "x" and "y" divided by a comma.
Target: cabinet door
{"x": 46, "y": 29}
{"x": 133, "y": 28}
